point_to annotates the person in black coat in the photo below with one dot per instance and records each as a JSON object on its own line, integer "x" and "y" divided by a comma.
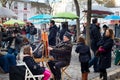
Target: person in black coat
{"x": 52, "y": 33}
{"x": 95, "y": 36}
{"x": 14, "y": 43}
{"x": 35, "y": 68}
{"x": 63, "y": 30}
{"x": 84, "y": 57}
{"x": 104, "y": 51}
{"x": 62, "y": 54}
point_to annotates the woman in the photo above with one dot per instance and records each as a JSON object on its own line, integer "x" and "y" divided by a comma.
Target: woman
{"x": 84, "y": 57}
{"x": 105, "y": 47}
{"x": 32, "y": 65}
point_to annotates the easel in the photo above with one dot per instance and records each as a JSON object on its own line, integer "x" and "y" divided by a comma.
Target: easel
{"x": 45, "y": 53}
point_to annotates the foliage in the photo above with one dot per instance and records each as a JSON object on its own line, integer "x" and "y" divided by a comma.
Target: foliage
{"x": 41, "y": 7}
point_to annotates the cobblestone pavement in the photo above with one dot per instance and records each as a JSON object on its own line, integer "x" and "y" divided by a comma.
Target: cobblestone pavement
{"x": 73, "y": 70}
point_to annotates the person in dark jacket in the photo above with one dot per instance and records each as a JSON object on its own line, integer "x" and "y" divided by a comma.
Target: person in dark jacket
{"x": 84, "y": 57}
{"x": 95, "y": 36}
{"x": 63, "y": 56}
{"x": 105, "y": 48}
{"x": 35, "y": 68}
{"x": 105, "y": 27}
{"x": 63, "y": 30}
{"x": 28, "y": 30}
{"x": 52, "y": 33}
{"x": 14, "y": 43}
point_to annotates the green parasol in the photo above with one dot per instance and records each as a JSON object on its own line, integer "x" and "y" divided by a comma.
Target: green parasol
{"x": 66, "y": 15}
{"x": 12, "y": 21}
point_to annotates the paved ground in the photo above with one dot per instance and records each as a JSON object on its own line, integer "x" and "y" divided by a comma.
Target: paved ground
{"x": 73, "y": 70}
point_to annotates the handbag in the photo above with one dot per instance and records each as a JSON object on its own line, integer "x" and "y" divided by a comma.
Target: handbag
{"x": 100, "y": 50}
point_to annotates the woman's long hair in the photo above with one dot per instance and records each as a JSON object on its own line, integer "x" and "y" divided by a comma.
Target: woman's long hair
{"x": 111, "y": 33}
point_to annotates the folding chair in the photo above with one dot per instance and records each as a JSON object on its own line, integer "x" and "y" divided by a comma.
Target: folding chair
{"x": 64, "y": 72}
{"x": 28, "y": 73}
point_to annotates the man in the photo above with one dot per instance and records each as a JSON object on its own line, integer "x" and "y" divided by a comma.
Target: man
{"x": 95, "y": 36}
{"x": 62, "y": 54}
{"x": 14, "y": 43}
{"x": 52, "y": 33}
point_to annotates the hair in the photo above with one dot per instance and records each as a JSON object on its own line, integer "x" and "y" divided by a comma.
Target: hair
{"x": 105, "y": 26}
{"x": 111, "y": 33}
{"x": 81, "y": 40}
{"x": 27, "y": 50}
{"x": 94, "y": 20}
{"x": 52, "y": 21}
{"x": 16, "y": 23}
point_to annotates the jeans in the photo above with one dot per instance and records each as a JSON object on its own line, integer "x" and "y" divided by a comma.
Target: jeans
{"x": 28, "y": 36}
{"x": 94, "y": 62}
{"x": 13, "y": 51}
{"x": 6, "y": 61}
{"x": 32, "y": 38}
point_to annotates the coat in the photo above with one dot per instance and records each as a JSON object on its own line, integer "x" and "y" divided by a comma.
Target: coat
{"x": 18, "y": 41}
{"x": 63, "y": 52}
{"x": 33, "y": 66}
{"x": 105, "y": 57}
{"x": 52, "y": 35}
{"x": 84, "y": 52}
{"x": 95, "y": 36}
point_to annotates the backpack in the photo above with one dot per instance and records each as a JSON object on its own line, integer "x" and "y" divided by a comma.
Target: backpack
{"x": 33, "y": 30}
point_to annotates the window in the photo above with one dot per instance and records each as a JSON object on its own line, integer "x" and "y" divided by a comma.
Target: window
{"x": 25, "y": 6}
{"x": 15, "y": 5}
{"x": 25, "y": 17}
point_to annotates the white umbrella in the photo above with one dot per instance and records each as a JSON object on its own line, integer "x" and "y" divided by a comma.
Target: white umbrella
{"x": 5, "y": 12}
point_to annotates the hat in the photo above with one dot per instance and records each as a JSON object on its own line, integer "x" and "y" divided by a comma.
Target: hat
{"x": 68, "y": 35}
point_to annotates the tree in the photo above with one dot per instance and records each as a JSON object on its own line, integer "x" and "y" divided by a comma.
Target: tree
{"x": 41, "y": 7}
{"x": 107, "y": 3}
{"x": 3, "y": 2}
{"x": 78, "y": 21}
{"x": 89, "y": 4}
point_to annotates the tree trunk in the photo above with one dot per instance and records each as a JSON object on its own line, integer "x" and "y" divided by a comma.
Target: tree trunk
{"x": 89, "y": 4}
{"x": 77, "y": 21}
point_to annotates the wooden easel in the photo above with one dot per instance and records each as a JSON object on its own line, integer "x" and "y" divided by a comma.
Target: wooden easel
{"x": 45, "y": 53}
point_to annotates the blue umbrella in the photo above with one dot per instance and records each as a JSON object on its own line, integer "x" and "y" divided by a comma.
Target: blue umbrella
{"x": 42, "y": 22}
{"x": 112, "y": 17}
{"x": 41, "y": 16}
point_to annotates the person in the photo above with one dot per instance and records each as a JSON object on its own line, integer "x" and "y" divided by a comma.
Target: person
{"x": 33, "y": 31}
{"x": 62, "y": 56}
{"x": 105, "y": 27}
{"x": 17, "y": 28}
{"x": 84, "y": 57}
{"x": 6, "y": 61}
{"x": 52, "y": 33}
{"x": 35, "y": 68}
{"x": 14, "y": 43}
{"x": 95, "y": 36}
{"x": 27, "y": 30}
{"x": 63, "y": 30}
{"x": 117, "y": 31}
{"x": 104, "y": 51}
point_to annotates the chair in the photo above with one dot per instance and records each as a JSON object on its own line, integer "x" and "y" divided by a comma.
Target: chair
{"x": 28, "y": 73}
{"x": 63, "y": 70}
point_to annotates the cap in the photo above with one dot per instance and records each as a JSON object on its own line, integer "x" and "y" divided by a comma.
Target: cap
{"x": 68, "y": 35}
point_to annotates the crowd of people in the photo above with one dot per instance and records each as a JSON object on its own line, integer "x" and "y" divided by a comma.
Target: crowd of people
{"x": 11, "y": 42}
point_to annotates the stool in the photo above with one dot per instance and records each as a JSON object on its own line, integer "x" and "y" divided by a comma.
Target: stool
{"x": 63, "y": 71}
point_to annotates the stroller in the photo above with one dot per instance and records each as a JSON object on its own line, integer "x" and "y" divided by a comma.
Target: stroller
{"x": 116, "y": 51}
